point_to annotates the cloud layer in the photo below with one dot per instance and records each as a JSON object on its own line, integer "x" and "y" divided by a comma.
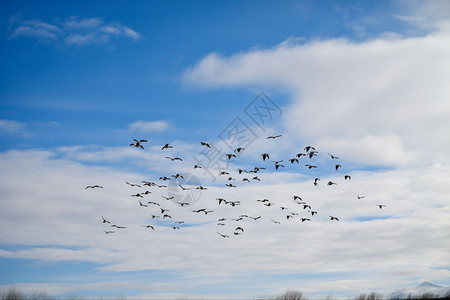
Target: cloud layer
{"x": 386, "y": 98}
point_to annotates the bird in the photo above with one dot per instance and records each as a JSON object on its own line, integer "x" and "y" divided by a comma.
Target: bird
{"x": 230, "y": 185}
{"x": 316, "y": 181}
{"x": 256, "y": 178}
{"x": 144, "y": 205}
{"x": 164, "y": 178}
{"x": 311, "y": 166}
{"x": 154, "y": 203}
{"x": 148, "y": 226}
{"x": 168, "y": 198}
{"x": 381, "y": 205}
{"x": 166, "y": 146}
{"x": 239, "y": 228}
{"x": 197, "y": 167}
{"x": 307, "y": 148}
{"x": 331, "y": 183}
{"x": 200, "y": 188}
{"x": 332, "y": 156}
{"x": 313, "y": 212}
{"x": 333, "y": 218}
{"x": 295, "y": 197}
{"x": 347, "y": 177}
{"x": 137, "y": 143}
{"x": 167, "y": 216}
{"x": 292, "y": 160}
{"x": 105, "y": 221}
{"x": 273, "y": 136}
{"x": 163, "y": 210}
{"x": 306, "y": 206}
{"x": 205, "y": 144}
{"x": 276, "y": 222}
{"x": 311, "y": 154}
{"x": 183, "y": 203}
{"x": 223, "y": 173}
{"x": 175, "y": 227}
{"x": 137, "y": 195}
{"x": 239, "y": 149}
{"x": 230, "y": 155}
{"x": 221, "y": 200}
{"x": 245, "y": 179}
{"x": 223, "y": 235}
{"x": 337, "y": 167}
{"x": 277, "y": 165}
{"x": 305, "y": 219}
{"x": 265, "y": 155}
{"x": 132, "y": 184}
{"x": 242, "y": 171}
{"x": 109, "y": 231}
{"x": 93, "y": 187}
{"x": 154, "y": 216}
{"x": 361, "y": 197}
{"x": 183, "y": 188}
{"x": 174, "y": 158}
{"x": 118, "y": 227}
{"x": 263, "y": 200}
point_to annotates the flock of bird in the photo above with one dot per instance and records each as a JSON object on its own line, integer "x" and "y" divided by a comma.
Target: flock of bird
{"x": 160, "y": 213}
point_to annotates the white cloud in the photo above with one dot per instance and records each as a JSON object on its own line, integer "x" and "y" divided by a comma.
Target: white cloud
{"x": 149, "y": 126}
{"x": 391, "y": 91}
{"x": 416, "y": 209}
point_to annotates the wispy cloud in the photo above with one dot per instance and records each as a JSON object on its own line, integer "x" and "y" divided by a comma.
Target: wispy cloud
{"x": 11, "y": 127}
{"x": 73, "y": 31}
{"x": 152, "y": 126}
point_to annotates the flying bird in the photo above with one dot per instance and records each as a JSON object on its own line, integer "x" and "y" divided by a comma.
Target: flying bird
{"x": 332, "y": 156}
{"x": 333, "y": 218}
{"x": 205, "y": 144}
{"x": 347, "y": 177}
{"x": 223, "y": 235}
{"x": 137, "y": 143}
{"x": 229, "y": 156}
{"x": 307, "y": 148}
{"x": 273, "y": 136}
{"x": 337, "y": 167}
{"x": 166, "y": 146}
{"x": 174, "y": 158}
{"x": 239, "y": 149}
{"x": 265, "y": 155}
{"x": 361, "y": 197}
{"x": 132, "y": 184}
{"x": 148, "y": 226}
{"x": 316, "y": 181}
{"x": 105, "y": 221}
{"x": 93, "y": 187}
{"x": 331, "y": 183}
{"x": 381, "y": 205}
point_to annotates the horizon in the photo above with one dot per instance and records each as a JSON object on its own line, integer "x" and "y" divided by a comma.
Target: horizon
{"x": 91, "y": 94}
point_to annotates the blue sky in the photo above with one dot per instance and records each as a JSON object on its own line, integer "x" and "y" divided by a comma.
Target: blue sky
{"x": 363, "y": 80}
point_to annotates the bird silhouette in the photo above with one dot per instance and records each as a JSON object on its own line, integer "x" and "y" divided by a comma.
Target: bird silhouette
{"x": 273, "y": 136}
{"x": 331, "y": 183}
{"x": 239, "y": 149}
{"x": 205, "y": 144}
{"x": 230, "y": 155}
{"x": 381, "y": 205}
{"x": 93, "y": 187}
{"x": 347, "y": 177}
{"x": 332, "y": 156}
{"x": 265, "y": 156}
{"x": 105, "y": 221}
{"x": 166, "y": 146}
{"x": 223, "y": 235}
{"x": 174, "y": 158}
{"x": 333, "y": 218}
{"x": 337, "y": 167}
{"x": 137, "y": 143}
